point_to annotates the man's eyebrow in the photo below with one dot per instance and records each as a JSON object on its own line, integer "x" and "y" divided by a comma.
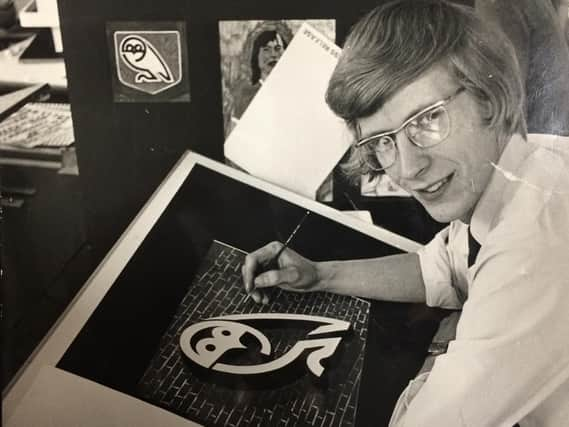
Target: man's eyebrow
{"x": 416, "y": 110}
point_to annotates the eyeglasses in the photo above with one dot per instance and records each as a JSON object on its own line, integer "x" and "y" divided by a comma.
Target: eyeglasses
{"x": 427, "y": 128}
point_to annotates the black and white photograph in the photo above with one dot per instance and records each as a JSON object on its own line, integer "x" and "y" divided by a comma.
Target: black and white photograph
{"x": 330, "y": 214}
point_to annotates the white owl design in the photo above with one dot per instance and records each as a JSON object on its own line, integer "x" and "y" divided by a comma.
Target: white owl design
{"x": 143, "y": 58}
{"x": 223, "y": 334}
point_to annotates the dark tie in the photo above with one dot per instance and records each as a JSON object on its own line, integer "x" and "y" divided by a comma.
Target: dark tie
{"x": 473, "y": 248}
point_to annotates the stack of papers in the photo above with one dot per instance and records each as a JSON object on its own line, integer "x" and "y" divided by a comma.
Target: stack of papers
{"x": 38, "y": 124}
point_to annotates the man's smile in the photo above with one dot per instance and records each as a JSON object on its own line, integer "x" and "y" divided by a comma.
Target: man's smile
{"x": 434, "y": 190}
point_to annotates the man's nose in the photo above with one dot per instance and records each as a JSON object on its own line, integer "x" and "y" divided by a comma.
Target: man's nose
{"x": 413, "y": 160}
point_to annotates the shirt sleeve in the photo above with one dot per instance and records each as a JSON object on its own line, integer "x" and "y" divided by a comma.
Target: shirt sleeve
{"x": 436, "y": 268}
{"x": 512, "y": 349}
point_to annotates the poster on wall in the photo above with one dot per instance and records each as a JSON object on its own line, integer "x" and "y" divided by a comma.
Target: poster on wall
{"x": 249, "y": 50}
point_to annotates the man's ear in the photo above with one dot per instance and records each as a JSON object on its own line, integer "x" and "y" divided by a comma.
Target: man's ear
{"x": 486, "y": 110}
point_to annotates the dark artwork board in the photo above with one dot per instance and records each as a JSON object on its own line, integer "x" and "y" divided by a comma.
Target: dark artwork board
{"x": 119, "y": 341}
{"x": 286, "y": 396}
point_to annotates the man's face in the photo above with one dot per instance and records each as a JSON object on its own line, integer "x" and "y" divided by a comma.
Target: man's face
{"x": 269, "y": 54}
{"x": 449, "y": 178}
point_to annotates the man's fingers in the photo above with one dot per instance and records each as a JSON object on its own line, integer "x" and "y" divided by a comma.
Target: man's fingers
{"x": 247, "y": 275}
{"x": 248, "y": 271}
{"x": 251, "y": 267}
{"x": 276, "y": 277}
{"x": 256, "y": 295}
{"x": 254, "y": 261}
{"x": 259, "y": 296}
{"x": 265, "y": 253}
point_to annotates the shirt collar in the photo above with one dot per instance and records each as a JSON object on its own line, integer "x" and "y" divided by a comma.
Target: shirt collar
{"x": 491, "y": 201}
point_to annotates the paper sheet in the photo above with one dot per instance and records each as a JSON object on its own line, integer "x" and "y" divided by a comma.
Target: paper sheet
{"x": 288, "y": 135}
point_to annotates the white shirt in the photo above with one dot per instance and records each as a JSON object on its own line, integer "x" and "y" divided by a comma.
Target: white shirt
{"x": 509, "y": 362}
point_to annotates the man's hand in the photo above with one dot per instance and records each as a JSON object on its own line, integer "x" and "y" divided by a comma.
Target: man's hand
{"x": 293, "y": 272}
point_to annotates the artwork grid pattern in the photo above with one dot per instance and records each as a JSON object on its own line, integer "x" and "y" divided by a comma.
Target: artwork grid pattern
{"x": 216, "y": 291}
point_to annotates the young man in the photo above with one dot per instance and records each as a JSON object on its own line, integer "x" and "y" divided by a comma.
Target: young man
{"x": 434, "y": 98}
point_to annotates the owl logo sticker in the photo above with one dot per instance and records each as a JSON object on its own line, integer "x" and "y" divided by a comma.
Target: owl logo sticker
{"x": 143, "y": 58}
{"x": 148, "y": 61}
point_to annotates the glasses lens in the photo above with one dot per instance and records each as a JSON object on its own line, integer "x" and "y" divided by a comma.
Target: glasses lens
{"x": 378, "y": 153}
{"x": 430, "y": 128}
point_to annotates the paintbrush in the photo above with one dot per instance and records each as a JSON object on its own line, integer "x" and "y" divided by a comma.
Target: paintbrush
{"x": 273, "y": 263}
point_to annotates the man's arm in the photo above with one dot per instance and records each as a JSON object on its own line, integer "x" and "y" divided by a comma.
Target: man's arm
{"x": 422, "y": 277}
{"x": 391, "y": 278}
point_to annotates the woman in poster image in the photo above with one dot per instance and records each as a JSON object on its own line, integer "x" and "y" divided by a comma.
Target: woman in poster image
{"x": 446, "y": 121}
{"x": 264, "y": 47}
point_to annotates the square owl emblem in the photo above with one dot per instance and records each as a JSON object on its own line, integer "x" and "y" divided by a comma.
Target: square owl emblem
{"x": 149, "y": 61}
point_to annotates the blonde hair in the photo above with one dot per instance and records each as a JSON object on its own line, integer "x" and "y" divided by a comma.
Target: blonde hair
{"x": 397, "y": 42}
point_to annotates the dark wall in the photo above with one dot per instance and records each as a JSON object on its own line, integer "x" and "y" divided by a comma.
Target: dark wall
{"x": 125, "y": 149}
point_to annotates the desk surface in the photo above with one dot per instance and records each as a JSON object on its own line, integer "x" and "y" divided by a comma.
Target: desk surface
{"x": 162, "y": 246}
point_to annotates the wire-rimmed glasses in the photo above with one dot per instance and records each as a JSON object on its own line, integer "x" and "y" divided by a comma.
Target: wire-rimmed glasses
{"x": 427, "y": 128}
